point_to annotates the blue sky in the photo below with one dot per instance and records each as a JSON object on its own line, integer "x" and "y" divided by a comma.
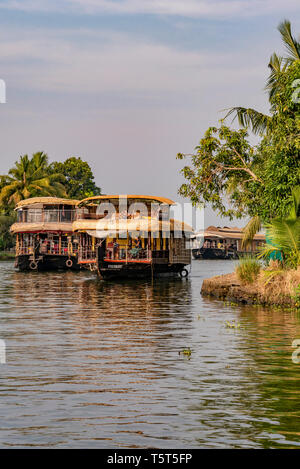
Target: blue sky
{"x": 126, "y": 84}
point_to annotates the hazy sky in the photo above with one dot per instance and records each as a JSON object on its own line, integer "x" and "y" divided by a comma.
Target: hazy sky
{"x": 127, "y": 84}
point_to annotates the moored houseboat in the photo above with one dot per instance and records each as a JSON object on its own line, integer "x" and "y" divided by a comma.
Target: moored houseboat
{"x": 131, "y": 236}
{"x": 223, "y": 243}
{"x": 44, "y": 234}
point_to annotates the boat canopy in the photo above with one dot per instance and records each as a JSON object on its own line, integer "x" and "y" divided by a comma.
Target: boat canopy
{"x": 111, "y": 198}
{"x": 40, "y": 227}
{"x": 105, "y": 227}
{"x": 45, "y": 201}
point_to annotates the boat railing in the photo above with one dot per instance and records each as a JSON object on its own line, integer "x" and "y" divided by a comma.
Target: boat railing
{"x": 128, "y": 254}
{"x": 49, "y": 248}
{"x": 86, "y": 255}
{"x": 46, "y": 216}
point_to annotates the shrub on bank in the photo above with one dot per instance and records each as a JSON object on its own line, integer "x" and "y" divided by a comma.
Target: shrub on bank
{"x": 248, "y": 270}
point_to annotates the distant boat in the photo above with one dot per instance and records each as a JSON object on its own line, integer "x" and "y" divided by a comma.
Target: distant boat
{"x": 222, "y": 243}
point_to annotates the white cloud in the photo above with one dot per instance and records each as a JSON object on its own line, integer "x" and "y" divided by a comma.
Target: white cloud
{"x": 186, "y": 8}
{"x": 90, "y": 62}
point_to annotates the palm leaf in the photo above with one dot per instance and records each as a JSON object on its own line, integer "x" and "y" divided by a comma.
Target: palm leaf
{"x": 258, "y": 122}
{"x": 292, "y": 46}
{"x": 295, "y": 210}
{"x": 284, "y": 236}
{"x": 250, "y": 230}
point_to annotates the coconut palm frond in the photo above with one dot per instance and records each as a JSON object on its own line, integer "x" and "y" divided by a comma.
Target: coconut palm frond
{"x": 291, "y": 44}
{"x": 283, "y": 237}
{"x": 250, "y": 230}
{"x": 258, "y": 122}
{"x": 295, "y": 210}
{"x": 277, "y": 67}
{"x": 30, "y": 178}
{"x": 271, "y": 274}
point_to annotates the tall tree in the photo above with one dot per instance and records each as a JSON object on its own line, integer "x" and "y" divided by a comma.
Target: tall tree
{"x": 30, "y": 177}
{"x": 256, "y": 181}
{"x": 259, "y": 122}
{"x": 79, "y": 178}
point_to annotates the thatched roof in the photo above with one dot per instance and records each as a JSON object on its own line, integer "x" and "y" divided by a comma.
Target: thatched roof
{"x": 227, "y": 233}
{"x": 134, "y": 197}
{"x": 40, "y": 227}
{"x": 143, "y": 224}
{"x": 46, "y": 201}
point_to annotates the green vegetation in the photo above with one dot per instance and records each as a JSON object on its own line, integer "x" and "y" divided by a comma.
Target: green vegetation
{"x": 248, "y": 269}
{"x": 35, "y": 177}
{"x": 30, "y": 177}
{"x": 186, "y": 352}
{"x": 283, "y": 236}
{"x": 78, "y": 178}
{"x": 6, "y": 239}
{"x": 232, "y": 325}
{"x": 7, "y": 256}
{"x": 256, "y": 180}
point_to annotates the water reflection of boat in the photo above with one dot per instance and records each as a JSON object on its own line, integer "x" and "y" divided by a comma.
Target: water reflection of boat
{"x": 137, "y": 239}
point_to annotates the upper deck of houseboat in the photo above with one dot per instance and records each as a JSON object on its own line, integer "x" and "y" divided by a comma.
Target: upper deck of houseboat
{"x": 44, "y": 214}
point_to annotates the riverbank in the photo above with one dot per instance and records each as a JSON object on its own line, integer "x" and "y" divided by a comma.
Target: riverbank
{"x": 7, "y": 256}
{"x": 280, "y": 291}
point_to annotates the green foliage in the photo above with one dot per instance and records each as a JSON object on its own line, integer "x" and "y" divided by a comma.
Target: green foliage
{"x": 252, "y": 227}
{"x": 285, "y": 238}
{"x": 79, "y": 178}
{"x": 296, "y": 296}
{"x": 256, "y": 181}
{"x": 283, "y": 235}
{"x": 6, "y": 238}
{"x": 224, "y": 163}
{"x": 29, "y": 178}
{"x": 248, "y": 269}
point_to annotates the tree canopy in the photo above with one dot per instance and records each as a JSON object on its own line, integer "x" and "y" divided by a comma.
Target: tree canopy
{"x": 78, "y": 178}
{"x": 238, "y": 179}
{"x": 30, "y": 177}
{"x": 35, "y": 177}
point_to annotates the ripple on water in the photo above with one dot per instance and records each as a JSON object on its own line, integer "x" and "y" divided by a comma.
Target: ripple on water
{"x": 96, "y": 364}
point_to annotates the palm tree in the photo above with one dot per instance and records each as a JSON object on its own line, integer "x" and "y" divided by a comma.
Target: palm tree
{"x": 30, "y": 178}
{"x": 284, "y": 236}
{"x": 258, "y": 122}
{"x": 255, "y": 225}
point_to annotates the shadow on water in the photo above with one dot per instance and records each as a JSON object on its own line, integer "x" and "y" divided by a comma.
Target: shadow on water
{"x": 96, "y": 364}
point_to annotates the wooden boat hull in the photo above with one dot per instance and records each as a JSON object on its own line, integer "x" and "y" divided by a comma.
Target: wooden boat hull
{"x": 213, "y": 253}
{"x": 137, "y": 271}
{"x": 24, "y": 263}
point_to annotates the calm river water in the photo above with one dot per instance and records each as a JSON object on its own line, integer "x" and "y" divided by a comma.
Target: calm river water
{"x": 94, "y": 364}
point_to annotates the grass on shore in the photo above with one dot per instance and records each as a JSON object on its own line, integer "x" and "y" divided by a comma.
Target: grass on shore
{"x": 6, "y": 255}
{"x": 272, "y": 283}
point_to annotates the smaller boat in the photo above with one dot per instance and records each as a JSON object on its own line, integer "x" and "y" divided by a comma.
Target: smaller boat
{"x": 44, "y": 234}
{"x": 223, "y": 243}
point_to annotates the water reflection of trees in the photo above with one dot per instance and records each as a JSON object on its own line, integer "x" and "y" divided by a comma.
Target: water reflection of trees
{"x": 274, "y": 399}
{"x": 277, "y": 378}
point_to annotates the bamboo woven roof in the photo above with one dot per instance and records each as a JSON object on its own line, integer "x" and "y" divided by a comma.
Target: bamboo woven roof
{"x": 39, "y": 227}
{"x": 227, "y": 233}
{"x": 144, "y": 224}
{"x": 46, "y": 201}
{"x": 134, "y": 197}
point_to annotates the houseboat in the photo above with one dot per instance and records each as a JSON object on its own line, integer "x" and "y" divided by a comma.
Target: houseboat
{"x": 131, "y": 236}
{"x": 44, "y": 234}
{"x": 223, "y": 243}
